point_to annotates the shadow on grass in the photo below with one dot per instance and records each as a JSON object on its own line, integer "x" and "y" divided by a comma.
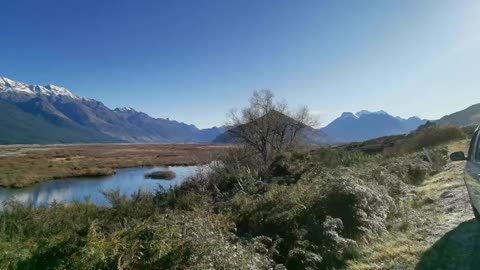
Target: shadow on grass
{"x": 458, "y": 249}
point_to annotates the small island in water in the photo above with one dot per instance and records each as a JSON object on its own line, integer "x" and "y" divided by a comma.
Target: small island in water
{"x": 164, "y": 175}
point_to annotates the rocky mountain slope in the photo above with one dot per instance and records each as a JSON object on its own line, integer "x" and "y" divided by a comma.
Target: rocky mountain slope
{"x": 20, "y": 127}
{"x": 467, "y": 117}
{"x": 366, "y": 125}
{"x": 53, "y": 114}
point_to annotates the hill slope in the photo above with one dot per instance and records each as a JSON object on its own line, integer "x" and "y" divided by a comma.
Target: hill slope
{"x": 466, "y": 117}
{"x": 19, "y": 127}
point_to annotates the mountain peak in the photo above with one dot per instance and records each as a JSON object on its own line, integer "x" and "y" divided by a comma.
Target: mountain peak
{"x": 365, "y": 112}
{"x": 59, "y": 91}
{"x": 125, "y": 109}
{"x": 346, "y": 115}
{"x": 8, "y": 85}
{"x": 5, "y": 81}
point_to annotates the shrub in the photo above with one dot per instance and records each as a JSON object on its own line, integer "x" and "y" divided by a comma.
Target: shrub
{"x": 290, "y": 167}
{"x": 333, "y": 158}
{"x": 436, "y": 136}
{"x": 414, "y": 168}
{"x": 82, "y": 236}
{"x": 238, "y": 171}
{"x": 431, "y": 137}
{"x": 316, "y": 221}
{"x": 427, "y": 136}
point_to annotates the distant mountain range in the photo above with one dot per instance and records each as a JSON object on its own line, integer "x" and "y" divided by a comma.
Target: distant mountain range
{"x": 365, "y": 125}
{"x": 52, "y": 114}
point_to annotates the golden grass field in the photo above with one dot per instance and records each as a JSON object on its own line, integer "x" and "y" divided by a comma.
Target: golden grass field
{"x": 21, "y": 166}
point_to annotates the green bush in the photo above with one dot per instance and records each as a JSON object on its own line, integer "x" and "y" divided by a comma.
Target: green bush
{"x": 236, "y": 172}
{"x": 414, "y": 168}
{"x": 317, "y": 221}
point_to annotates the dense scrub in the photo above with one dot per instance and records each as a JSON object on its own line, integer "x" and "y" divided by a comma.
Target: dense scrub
{"x": 427, "y": 136}
{"x": 432, "y": 136}
{"x": 315, "y": 214}
{"x": 133, "y": 234}
{"x": 308, "y": 210}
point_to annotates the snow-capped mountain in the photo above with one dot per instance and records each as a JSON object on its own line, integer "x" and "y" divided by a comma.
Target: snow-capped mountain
{"x": 365, "y": 125}
{"x": 7, "y": 85}
{"x": 125, "y": 110}
{"x": 63, "y": 117}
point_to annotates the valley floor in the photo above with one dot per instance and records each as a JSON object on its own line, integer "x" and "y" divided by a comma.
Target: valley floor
{"x": 21, "y": 166}
{"x": 437, "y": 230}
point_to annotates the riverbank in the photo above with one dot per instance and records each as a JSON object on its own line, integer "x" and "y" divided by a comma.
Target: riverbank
{"x": 21, "y": 166}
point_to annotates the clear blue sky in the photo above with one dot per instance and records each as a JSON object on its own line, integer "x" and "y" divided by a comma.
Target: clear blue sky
{"x": 194, "y": 60}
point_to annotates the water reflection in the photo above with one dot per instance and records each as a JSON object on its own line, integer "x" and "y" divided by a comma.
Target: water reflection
{"x": 127, "y": 181}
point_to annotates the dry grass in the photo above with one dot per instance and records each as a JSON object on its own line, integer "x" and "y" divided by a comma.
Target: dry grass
{"x": 423, "y": 219}
{"x": 459, "y": 146}
{"x": 395, "y": 249}
{"x": 27, "y": 166}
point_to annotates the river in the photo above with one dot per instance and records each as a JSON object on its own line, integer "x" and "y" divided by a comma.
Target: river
{"x": 127, "y": 181}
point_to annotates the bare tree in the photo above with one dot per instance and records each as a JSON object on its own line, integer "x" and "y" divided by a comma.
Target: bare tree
{"x": 268, "y": 128}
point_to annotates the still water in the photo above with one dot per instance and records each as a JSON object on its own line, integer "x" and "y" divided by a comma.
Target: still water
{"x": 127, "y": 181}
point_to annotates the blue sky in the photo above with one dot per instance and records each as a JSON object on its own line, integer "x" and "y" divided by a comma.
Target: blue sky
{"x": 194, "y": 60}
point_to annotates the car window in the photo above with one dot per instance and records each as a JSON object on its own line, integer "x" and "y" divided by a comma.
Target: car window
{"x": 472, "y": 145}
{"x": 473, "y": 149}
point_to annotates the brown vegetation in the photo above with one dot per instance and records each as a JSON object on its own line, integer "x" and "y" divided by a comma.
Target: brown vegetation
{"x": 428, "y": 136}
{"x": 21, "y": 167}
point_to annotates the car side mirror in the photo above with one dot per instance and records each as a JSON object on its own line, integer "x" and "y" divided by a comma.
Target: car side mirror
{"x": 457, "y": 156}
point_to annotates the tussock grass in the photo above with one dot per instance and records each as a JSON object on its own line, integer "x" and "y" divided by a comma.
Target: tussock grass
{"x": 395, "y": 250}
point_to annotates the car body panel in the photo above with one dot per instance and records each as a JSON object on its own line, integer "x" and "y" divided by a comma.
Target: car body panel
{"x": 472, "y": 181}
{"x": 472, "y": 171}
